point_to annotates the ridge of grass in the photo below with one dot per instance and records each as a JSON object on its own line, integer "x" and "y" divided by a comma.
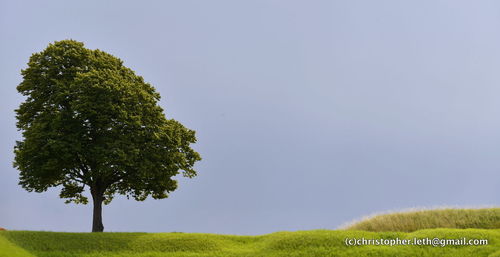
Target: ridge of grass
{"x": 313, "y": 243}
{"x": 409, "y": 221}
{"x": 441, "y": 223}
{"x": 9, "y": 249}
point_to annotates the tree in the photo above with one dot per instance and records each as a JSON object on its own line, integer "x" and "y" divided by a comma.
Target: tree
{"x": 89, "y": 121}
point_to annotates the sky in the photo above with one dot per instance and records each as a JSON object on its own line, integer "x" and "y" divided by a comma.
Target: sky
{"x": 309, "y": 114}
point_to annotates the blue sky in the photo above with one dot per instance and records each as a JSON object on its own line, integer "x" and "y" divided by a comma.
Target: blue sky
{"x": 308, "y": 113}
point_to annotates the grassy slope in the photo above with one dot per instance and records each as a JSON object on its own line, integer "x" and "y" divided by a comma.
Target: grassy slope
{"x": 303, "y": 243}
{"x": 8, "y": 249}
{"x": 488, "y": 218}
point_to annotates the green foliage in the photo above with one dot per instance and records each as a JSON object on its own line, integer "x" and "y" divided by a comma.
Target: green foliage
{"x": 282, "y": 244}
{"x": 90, "y": 121}
{"x": 487, "y": 218}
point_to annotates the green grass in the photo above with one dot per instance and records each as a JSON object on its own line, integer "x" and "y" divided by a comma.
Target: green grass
{"x": 314, "y": 243}
{"x": 442, "y": 224}
{"x": 488, "y": 218}
{"x": 8, "y": 249}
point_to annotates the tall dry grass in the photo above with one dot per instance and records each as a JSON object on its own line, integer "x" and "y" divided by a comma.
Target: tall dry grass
{"x": 409, "y": 221}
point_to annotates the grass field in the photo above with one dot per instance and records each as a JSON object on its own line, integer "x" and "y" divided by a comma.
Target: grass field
{"x": 458, "y": 224}
{"x": 304, "y": 243}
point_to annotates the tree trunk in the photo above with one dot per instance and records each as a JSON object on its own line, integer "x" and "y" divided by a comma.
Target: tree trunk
{"x": 97, "y": 218}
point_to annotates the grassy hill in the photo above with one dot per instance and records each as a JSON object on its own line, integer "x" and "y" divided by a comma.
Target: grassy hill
{"x": 304, "y": 243}
{"x": 440, "y": 224}
{"x": 487, "y": 218}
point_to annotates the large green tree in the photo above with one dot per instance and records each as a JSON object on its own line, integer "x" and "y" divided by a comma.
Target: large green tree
{"x": 90, "y": 122}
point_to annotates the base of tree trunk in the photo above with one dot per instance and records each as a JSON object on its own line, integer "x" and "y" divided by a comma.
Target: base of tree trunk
{"x": 97, "y": 225}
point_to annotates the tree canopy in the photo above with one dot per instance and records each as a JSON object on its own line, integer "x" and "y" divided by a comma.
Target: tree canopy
{"x": 89, "y": 121}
